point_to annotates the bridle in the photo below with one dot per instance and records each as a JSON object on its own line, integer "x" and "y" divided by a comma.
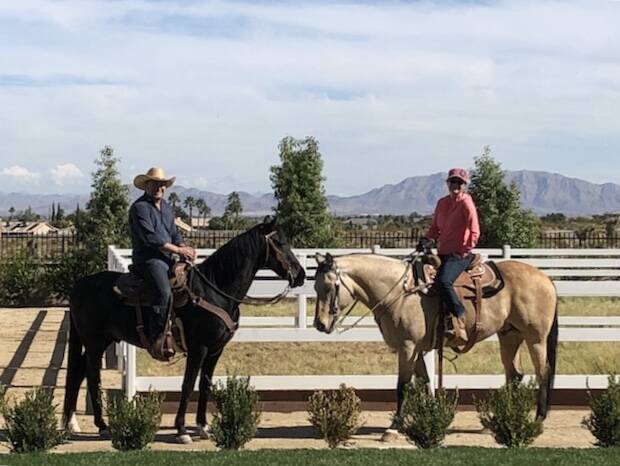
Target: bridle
{"x": 278, "y": 255}
{"x": 338, "y": 316}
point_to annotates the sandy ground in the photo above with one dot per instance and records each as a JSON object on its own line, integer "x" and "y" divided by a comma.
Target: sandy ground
{"x": 29, "y": 356}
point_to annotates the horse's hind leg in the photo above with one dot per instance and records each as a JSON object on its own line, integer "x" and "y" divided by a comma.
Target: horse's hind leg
{"x": 538, "y": 353}
{"x": 76, "y": 371}
{"x": 94, "y": 354}
{"x": 509, "y": 343}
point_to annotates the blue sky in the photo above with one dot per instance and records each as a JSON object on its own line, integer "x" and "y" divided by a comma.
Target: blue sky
{"x": 390, "y": 89}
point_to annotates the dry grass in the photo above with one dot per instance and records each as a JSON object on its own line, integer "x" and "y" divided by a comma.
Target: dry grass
{"x": 375, "y": 358}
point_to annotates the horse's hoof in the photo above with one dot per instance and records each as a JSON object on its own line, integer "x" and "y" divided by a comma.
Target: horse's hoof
{"x": 205, "y": 432}
{"x": 185, "y": 439}
{"x": 390, "y": 435}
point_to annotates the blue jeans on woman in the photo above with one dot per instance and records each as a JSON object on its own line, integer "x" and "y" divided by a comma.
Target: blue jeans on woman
{"x": 452, "y": 265}
{"x": 156, "y": 274}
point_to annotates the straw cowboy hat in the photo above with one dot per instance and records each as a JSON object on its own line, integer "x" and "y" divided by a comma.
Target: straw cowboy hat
{"x": 154, "y": 174}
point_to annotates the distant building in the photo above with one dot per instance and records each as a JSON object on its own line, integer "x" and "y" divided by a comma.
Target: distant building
{"x": 200, "y": 223}
{"x": 27, "y": 228}
{"x": 182, "y": 226}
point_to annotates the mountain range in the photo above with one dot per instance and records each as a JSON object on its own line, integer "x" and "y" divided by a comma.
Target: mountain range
{"x": 542, "y": 192}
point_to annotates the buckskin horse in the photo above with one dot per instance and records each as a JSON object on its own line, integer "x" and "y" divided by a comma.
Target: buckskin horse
{"x": 525, "y": 309}
{"x": 99, "y": 317}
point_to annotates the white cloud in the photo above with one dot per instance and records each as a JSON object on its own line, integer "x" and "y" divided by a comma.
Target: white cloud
{"x": 20, "y": 174}
{"x": 66, "y": 172}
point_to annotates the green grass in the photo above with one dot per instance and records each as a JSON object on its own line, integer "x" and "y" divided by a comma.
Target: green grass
{"x": 361, "y": 457}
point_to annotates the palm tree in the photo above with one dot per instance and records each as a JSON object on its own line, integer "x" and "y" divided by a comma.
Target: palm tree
{"x": 174, "y": 199}
{"x": 190, "y": 203}
{"x": 204, "y": 210}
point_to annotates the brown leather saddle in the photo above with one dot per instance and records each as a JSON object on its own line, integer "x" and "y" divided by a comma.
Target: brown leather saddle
{"x": 481, "y": 280}
{"x": 133, "y": 290}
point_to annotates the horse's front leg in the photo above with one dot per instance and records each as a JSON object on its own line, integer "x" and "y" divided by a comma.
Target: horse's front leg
{"x": 206, "y": 379}
{"x": 406, "y": 362}
{"x": 195, "y": 356}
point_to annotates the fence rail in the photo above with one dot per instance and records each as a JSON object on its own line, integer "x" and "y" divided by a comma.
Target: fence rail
{"x": 53, "y": 247}
{"x": 565, "y": 266}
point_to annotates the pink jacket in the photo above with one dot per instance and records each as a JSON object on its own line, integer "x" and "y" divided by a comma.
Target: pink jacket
{"x": 455, "y": 225}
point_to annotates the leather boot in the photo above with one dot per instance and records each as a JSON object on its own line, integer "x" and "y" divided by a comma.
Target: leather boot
{"x": 456, "y": 331}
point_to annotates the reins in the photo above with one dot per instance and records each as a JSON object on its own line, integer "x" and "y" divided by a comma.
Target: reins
{"x": 406, "y": 291}
{"x": 248, "y": 299}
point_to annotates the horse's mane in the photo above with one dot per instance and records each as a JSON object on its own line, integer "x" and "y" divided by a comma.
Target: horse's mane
{"x": 225, "y": 263}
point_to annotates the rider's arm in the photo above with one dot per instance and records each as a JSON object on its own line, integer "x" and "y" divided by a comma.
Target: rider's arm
{"x": 433, "y": 231}
{"x": 472, "y": 224}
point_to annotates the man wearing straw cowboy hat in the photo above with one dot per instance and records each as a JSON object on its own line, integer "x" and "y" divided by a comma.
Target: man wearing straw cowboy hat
{"x": 155, "y": 238}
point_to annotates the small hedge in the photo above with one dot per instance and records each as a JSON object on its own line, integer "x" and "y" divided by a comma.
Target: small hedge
{"x": 335, "y": 415}
{"x": 238, "y": 413}
{"x": 604, "y": 420}
{"x": 508, "y": 413}
{"x": 22, "y": 281}
{"x": 133, "y": 424}
{"x": 31, "y": 424}
{"x": 425, "y": 418}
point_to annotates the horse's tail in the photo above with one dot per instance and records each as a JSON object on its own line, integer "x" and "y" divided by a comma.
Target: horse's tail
{"x": 76, "y": 363}
{"x": 552, "y": 346}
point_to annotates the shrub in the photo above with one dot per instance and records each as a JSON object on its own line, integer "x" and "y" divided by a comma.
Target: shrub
{"x": 425, "y": 418}
{"x": 21, "y": 280}
{"x": 133, "y": 424}
{"x": 31, "y": 424}
{"x": 61, "y": 277}
{"x": 507, "y": 412}
{"x": 238, "y": 413}
{"x": 604, "y": 420}
{"x": 335, "y": 415}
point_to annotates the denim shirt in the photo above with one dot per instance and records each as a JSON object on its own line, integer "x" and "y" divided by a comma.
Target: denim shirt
{"x": 150, "y": 229}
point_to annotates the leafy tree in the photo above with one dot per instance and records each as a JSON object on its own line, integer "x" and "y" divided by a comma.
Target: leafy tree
{"x": 302, "y": 207}
{"x": 502, "y": 220}
{"x": 28, "y": 215}
{"x": 106, "y": 219}
{"x": 11, "y": 213}
{"x": 233, "y": 210}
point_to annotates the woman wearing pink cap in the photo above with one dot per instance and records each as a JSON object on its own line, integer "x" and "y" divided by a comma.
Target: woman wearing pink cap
{"x": 456, "y": 230}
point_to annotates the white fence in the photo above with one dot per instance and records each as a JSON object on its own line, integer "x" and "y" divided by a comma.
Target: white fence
{"x": 576, "y": 272}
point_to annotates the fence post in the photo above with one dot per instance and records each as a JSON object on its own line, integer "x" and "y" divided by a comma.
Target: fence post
{"x": 375, "y": 249}
{"x": 130, "y": 371}
{"x": 506, "y": 251}
{"x": 302, "y": 300}
{"x": 429, "y": 361}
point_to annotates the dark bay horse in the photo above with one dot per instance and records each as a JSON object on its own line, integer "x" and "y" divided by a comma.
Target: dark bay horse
{"x": 99, "y": 318}
{"x": 525, "y": 310}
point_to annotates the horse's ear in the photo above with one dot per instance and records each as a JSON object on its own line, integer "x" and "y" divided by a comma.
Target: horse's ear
{"x": 269, "y": 222}
{"x": 329, "y": 259}
{"x": 320, "y": 258}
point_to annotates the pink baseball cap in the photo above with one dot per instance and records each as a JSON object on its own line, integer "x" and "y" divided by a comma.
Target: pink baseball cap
{"x": 459, "y": 173}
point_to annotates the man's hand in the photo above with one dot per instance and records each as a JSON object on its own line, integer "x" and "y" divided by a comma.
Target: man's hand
{"x": 424, "y": 244}
{"x": 187, "y": 253}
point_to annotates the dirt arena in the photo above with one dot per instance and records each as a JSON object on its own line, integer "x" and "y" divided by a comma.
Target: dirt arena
{"x": 33, "y": 352}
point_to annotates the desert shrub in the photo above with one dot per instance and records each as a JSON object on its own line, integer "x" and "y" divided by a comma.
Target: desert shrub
{"x": 133, "y": 424}
{"x": 21, "y": 280}
{"x": 2, "y": 396}
{"x": 238, "y": 413}
{"x": 31, "y": 423}
{"x": 425, "y": 418}
{"x": 604, "y": 419}
{"x": 508, "y": 413}
{"x": 335, "y": 415}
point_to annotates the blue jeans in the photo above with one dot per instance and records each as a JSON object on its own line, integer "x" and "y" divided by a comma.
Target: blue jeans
{"x": 155, "y": 272}
{"x": 451, "y": 267}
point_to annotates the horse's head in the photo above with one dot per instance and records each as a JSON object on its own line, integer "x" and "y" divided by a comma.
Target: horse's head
{"x": 278, "y": 255}
{"x": 331, "y": 299}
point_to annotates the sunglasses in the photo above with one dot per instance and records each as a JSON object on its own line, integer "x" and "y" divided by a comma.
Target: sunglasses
{"x": 456, "y": 180}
